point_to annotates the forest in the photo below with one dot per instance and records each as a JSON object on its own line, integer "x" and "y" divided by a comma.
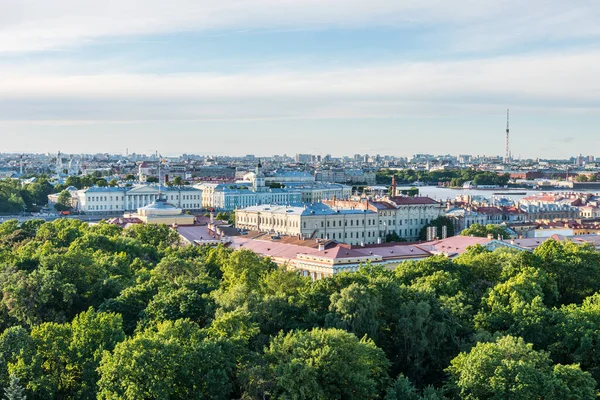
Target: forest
{"x": 99, "y": 312}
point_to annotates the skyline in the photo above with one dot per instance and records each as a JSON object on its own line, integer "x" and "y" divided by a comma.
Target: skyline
{"x": 343, "y": 77}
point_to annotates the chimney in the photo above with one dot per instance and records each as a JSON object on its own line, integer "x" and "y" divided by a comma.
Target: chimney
{"x": 321, "y": 247}
{"x": 490, "y": 236}
{"x": 378, "y": 240}
{"x": 393, "y": 185}
{"x": 499, "y": 237}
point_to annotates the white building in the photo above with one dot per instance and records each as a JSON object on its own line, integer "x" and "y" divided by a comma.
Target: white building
{"x": 405, "y": 216}
{"x": 109, "y": 200}
{"x": 316, "y": 221}
{"x": 232, "y": 196}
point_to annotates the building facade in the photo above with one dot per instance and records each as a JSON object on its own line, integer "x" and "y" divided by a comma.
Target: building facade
{"x": 346, "y": 221}
{"x": 110, "y": 200}
{"x": 314, "y": 221}
{"x": 233, "y": 196}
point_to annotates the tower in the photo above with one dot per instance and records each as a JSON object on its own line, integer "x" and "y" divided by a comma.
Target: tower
{"x": 259, "y": 179}
{"x": 59, "y": 164}
{"x": 393, "y": 185}
{"x": 507, "y": 148}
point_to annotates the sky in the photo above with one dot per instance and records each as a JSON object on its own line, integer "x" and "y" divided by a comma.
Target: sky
{"x": 263, "y": 77}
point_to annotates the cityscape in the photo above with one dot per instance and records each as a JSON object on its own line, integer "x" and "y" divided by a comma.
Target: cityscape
{"x": 305, "y": 203}
{"x": 299, "y": 200}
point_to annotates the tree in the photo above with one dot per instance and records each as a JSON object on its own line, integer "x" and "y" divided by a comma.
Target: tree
{"x": 394, "y": 237}
{"x": 439, "y": 223}
{"x": 517, "y": 306}
{"x": 113, "y": 183}
{"x": 479, "y": 230}
{"x": 177, "y": 181}
{"x": 101, "y": 182}
{"x": 581, "y": 178}
{"x": 355, "y": 309}
{"x": 63, "y": 360}
{"x": 172, "y": 361}
{"x": 575, "y": 268}
{"x": 402, "y": 389}
{"x": 412, "y": 192}
{"x": 14, "y": 391}
{"x": 152, "y": 179}
{"x": 313, "y": 364}
{"x": 130, "y": 177}
{"x": 577, "y": 335}
{"x": 64, "y": 201}
{"x": 510, "y": 368}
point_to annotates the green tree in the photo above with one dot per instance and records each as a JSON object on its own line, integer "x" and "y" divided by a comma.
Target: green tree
{"x": 177, "y": 181}
{"x": 439, "y": 223}
{"x": 573, "y": 266}
{"x": 313, "y": 365}
{"x": 14, "y": 391}
{"x": 577, "y": 335}
{"x": 173, "y": 361}
{"x": 113, "y": 183}
{"x": 355, "y": 309}
{"x": 479, "y": 230}
{"x": 152, "y": 179}
{"x": 64, "y": 201}
{"x": 517, "y": 306}
{"x": 394, "y": 237}
{"x": 130, "y": 177}
{"x": 510, "y": 368}
{"x": 64, "y": 358}
{"x": 402, "y": 389}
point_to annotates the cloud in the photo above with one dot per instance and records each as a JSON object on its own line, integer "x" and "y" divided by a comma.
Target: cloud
{"x": 31, "y": 25}
{"x": 565, "y": 82}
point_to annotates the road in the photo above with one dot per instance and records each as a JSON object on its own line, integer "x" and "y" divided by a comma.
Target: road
{"x": 88, "y": 218}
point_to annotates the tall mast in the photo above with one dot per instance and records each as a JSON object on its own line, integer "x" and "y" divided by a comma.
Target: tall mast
{"x": 507, "y": 148}
{"x": 159, "y": 184}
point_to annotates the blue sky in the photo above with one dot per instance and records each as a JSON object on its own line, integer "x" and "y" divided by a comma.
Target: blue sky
{"x": 271, "y": 77}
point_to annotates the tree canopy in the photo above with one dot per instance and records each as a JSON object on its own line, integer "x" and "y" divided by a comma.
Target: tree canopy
{"x": 97, "y": 311}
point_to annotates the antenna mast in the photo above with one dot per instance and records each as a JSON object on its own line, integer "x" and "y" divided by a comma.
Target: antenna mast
{"x": 507, "y": 148}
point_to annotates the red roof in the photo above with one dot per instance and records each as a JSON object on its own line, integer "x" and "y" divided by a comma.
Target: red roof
{"x": 413, "y": 200}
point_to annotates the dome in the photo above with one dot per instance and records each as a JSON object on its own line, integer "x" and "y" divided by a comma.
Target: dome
{"x": 160, "y": 207}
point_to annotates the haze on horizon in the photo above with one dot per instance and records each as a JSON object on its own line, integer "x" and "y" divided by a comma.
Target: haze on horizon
{"x": 340, "y": 77}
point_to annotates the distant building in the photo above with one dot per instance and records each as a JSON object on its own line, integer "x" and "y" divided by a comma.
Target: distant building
{"x": 405, "y": 216}
{"x": 162, "y": 212}
{"x": 110, "y": 200}
{"x": 341, "y": 175}
{"x": 315, "y": 221}
{"x": 226, "y": 197}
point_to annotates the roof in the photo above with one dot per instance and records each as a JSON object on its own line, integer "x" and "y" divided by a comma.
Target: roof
{"x": 454, "y": 245}
{"x": 308, "y": 209}
{"x": 417, "y": 200}
{"x": 160, "y": 204}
